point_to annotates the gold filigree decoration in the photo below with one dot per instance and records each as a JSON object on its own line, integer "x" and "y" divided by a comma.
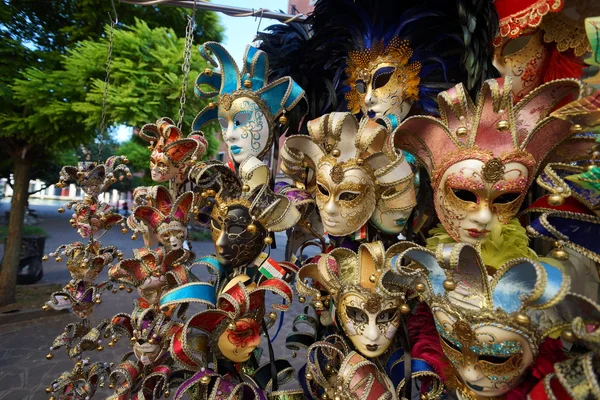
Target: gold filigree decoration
{"x": 566, "y": 33}
{"x": 337, "y": 173}
{"x": 493, "y": 170}
{"x": 372, "y": 304}
{"x": 226, "y": 101}
{"x": 464, "y": 333}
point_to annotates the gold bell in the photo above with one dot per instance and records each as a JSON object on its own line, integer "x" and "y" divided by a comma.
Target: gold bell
{"x": 336, "y": 153}
{"x": 360, "y": 161}
{"x": 212, "y": 105}
{"x": 318, "y": 305}
{"x": 49, "y": 389}
{"x": 129, "y": 290}
{"x": 167, "y": 394}
{"x": 461, "y": 131}
{"x": 98, "y": 300}
{"x": 560, "y": 254}
{"x": 128, "y": 175}
{"x": 246, "y": 188}
{"x": 111, "y": 344}
{"x": 100, "y": 348}
{"x": 502, "y": 125}
{"x": 205, "y": 380}
{"x": 283, "y": 119}
{"x": 272, "y": 315}
{"x": 568, "y": 336}
{"x": 45, "y": 307}
{"x": 556, "y": 200}
{"x": 111, "y": 386}
{"x": 248, "y": 83}
{"x": 208, "y": 72}
{"x": 420, "y": 287}
{"x": 133, "y": 237}
{"x": 232, "y": 326}
{"x": 308, "y": 376}
{"x": 268, "y": 240}
{"x": 302, "y": 299}
{"x": 121, "y": 287}
{"x": 101, "y": 384}
{"x": 61, "y": 210}
{"x": 576, "y": 128}
{"x": 124, "y": 231}
{"x": 113, "y": 180}
{"x": 251, "y": 228}
{"x": 404, "y": 308}
{"x": 522, "y": 319}
{"x": 45, "y": 257}
{"x": 49, "y": 356}
{"x": 449, "y": 284}
{"x": 372, "y": 278}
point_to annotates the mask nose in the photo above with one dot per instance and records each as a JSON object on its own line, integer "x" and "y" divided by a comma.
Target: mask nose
{"x": 330, "y": 207}
{"x": 222, "y": 240}
{"x": 483, "y": 215}
{"x": 228, "y": 135}
{"x": 174, "y": 241}
{"x": 371, "y": 332}
{"x": 369, "y": 98}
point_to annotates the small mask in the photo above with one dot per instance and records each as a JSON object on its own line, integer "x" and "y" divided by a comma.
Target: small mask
{"x": 245, "y": 129}
{"x": 238, "y": 345}
{"x": 369, "y": 321}
{"x": 490, "y": 360}
{"x": 236, "y": 244}
{"x": 172, "y": 235}
{"x": 152, "y": 289}
{"x": 147, "y": 353}
{"x": 161, "y": 168}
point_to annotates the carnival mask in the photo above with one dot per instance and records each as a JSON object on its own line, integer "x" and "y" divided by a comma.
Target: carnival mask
{"x": 152, "y": 289}
{"x": 235, "y": 242}
{"x": 370, "y": 321}
{"x": 172, "y": 234}
{"x": 490, "y": 360}
{"x": 82, "y": 309}
{"x": 345, "y": 197}
{"x": 245, "y": 128}
{"x": 161, "y": 168}
{"x": 382, "y": 80}
{"x": 473, "y": 197}
{"x": 238, "y": 344}
{"x": 147, "y": 353}
{"x": 393, "y": 209}
{"x": 525, "y": 59}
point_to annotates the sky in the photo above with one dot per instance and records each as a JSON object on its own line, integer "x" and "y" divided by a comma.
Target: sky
{"x": 239, "y": 32}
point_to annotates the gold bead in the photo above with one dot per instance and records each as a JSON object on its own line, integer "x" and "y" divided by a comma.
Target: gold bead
{"x": 61, "y": 210}
{"x": 124, "y": 231}
{"x": 502, "y": 125}
{"x": 556, "y": 200}
{"x": 208, "y": 72}
{"x": 328, "y": 368}
{"x": 129, "y": 290}
{"x": 272, "y": 315}
{"x": 248, "y": 83}
{"x": 212, "y": 105}
{"x": 167, "y": 394}
{"x": 522, "y": 319}
{"x": 268, "y": 240}
{"x": 576, "y": 128}
{"x": 283, "y": 120}
{"x": 461, "y": 131}
{"x": 205, "y": 380}
{"x": 211, "y": 193}
{"x": 372, "y": 278}
{"x": 560, "y": 254}
{"x": 133, "y": 237}
{"x": 318, "y": 305}
{"x": 251, "y": 228}
{"x": 308, "y": 376}
{"x": 308, "y": 225}
{"x": 246, "y": 188}
{"x": 45, "y": 307}
{"x": 232, "y": 326}
{"x": 420, "y": 287}
{"x": 302, "y": 299}
{"x": 360, "y": 161}
{"x": 100, "y": 348}
{"x": 111, "y": 386}
{"x": 336, "y": 153}
{"x": 45, "y": 257}
{"x": 568, "y": 336}
{"x": 449, "y": 284}
{"x": 404, "y": 308}
{"x": 49, "y": 356}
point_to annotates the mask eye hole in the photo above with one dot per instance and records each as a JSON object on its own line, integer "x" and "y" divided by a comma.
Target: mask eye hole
{"x": 323, "y": 190}
{"x": 241, "y": 118}
{"x": 386, "y": 316}
{"x": 506, "y": 198}
{"x": 223, "y": 122}
{"x": 356, "y": 314}
{"x": 361, "y": 87}
{"x": 215, "y": 224}
{"x": 348, "y": 196}
{"x": 382, "y": 76}
{"x": 465, "y": 195}
{"x": 493, "y": 359}
{"x": 450, "y": 344}
{"x": 235, "y": 229}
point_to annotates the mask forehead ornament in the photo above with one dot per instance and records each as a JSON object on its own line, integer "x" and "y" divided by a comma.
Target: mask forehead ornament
{"x": 477, "y": 317}
{"x": 349, "y": 169}
{"x": 484, "y": 156}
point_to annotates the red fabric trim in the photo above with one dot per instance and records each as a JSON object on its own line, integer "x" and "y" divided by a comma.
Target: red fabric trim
{"x": 517, "y": 15}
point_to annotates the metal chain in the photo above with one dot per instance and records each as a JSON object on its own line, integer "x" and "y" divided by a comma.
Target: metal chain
{"x": 106, "y": 82}
{"x": 187, "y": 55}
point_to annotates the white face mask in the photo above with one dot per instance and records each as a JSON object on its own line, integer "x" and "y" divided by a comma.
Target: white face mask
{"x": 172, "y": 235}
{"x": 382, "y": 95}
{"x": 245, "y": 129}
{"x": 469, "y": 207}
{"x": 161, "y": 168}
{"x": 147, "y": 353}
{"x": 392, "y": 222}
{"x": 151, "y": 289}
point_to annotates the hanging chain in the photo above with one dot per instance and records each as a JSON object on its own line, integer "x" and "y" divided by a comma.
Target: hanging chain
{"x": 187, "y": 55}
{"x": 106, "y": 82}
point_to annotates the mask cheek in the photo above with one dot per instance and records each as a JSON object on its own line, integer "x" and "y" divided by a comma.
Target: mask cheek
{"x": 506, "y": 212}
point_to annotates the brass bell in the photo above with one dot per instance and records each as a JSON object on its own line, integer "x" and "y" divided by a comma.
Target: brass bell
{"x": 336, "y": 153}
{"x": 420, "y": 287}
{"x": 121, "y": 287}
{"x": 272, "y": 315}
{"x": 100, "y": 348}
{"x": 232, "y": 326}
{"x": 49, "y": 389}
{"x": 522, "y": 319}
{"x": 111, "y": 386}
{"x": 167, "y": 394}
{"x": 268, "y": 240}
{"x": 45, "y": 307}
{"x": 129, "y": 290}
{"x": 318, "y": 305}
{"x": 576, "y": 128}
{"x": 556, "y": 200}
{"x": 568, "y": 336}
{"x": 404, "y": 308}
{"x": 111, "y": 344}
{"x": 449, "y": 284}
{"x": 61, "y": 210}
{"x": 251, "y": 228}
{"x": 212, "y": 105}
{"x": 560, "y": 254}
{"x": 302, "y": 299}
{"x": 208, "y": 72}
{"x": 502, "y": 125}
{"x": 123, "y": 230}
{"x": 461, "y": 131}
{"x": 128, "y": 175}
{"x": 45, "y": 257}
{"x": 283, "y": 120}
{"x": 133, "y": 237}
{"x": 49, "y": 356}
{"x": 360, "y": 161}
{"x": 372, "y": 278}
{"x": 248, "y": 83}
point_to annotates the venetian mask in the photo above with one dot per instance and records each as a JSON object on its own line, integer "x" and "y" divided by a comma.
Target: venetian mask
{"x": 369, "y": 321}
{"x": 345, "y": 197}
{"x": 393, "y": 209}
{"x": 82, "y": 309}
{"x": 245, "y": 128}
{"x": 382, "y": 80}
{"x": 490, "y": 360}
{"x": 524, "y": 59}
{"x": 238, "y": 344}
{"x": 152, "y": 289}
{"x": 147, "y": 353}
{"x": 236, "y": 244}
{"x": 172, "y": 234}
{"x": 161, "y": 168}
{"x": 473, "y": 197}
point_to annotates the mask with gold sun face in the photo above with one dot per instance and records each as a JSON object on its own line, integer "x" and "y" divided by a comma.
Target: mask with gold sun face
{"x": 483, "y": 159}
{"x": 488, "y": 328}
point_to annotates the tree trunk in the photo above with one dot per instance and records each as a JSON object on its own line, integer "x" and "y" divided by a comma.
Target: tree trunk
{"x": 10, "y": 263}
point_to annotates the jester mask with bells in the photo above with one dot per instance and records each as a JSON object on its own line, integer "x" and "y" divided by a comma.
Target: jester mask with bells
{"x": 482, "y": 158}
{"x": 94, "y": 178}
{"x": 354, "y": 179}
{"x": 233, "y": 326}
{"x": 86, "y": 261}
{"x": 152, "y": 271}
{"x": 248, "y": 105}
{"x": 368, "y": 297}
{"x": 488, "y": 328}
{"x": 245, "y": 209}
{"x": 168, "y": 219}
{"x": 171, "y": 150}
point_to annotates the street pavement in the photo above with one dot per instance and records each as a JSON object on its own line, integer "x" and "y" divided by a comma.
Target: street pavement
{"x": 24, "y": 370}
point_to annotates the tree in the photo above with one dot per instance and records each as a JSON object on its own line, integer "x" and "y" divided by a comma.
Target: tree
{"x": 52, "y": 86}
